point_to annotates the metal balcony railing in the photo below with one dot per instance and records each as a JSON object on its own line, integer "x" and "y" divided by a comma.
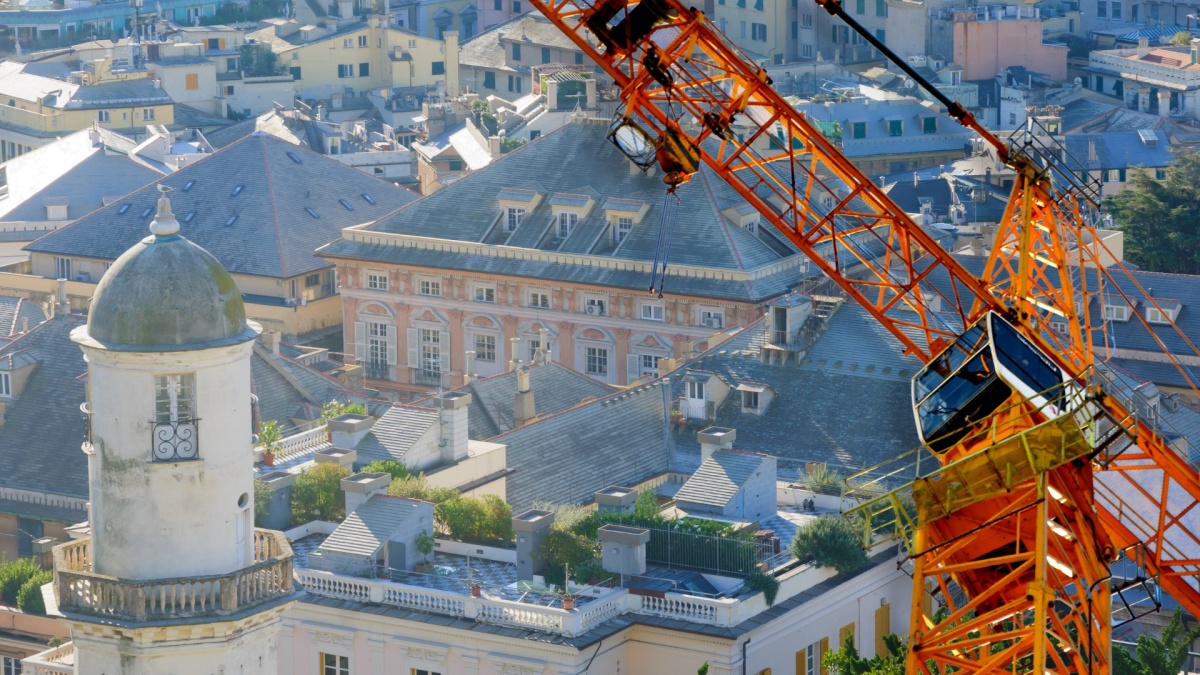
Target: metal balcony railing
{"x": 176, "y": 440}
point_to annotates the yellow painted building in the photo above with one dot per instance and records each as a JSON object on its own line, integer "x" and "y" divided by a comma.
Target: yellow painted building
{"x": 361, "y": 57}
{"x": 35, "y": 109}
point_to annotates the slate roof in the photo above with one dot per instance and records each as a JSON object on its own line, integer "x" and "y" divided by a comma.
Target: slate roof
{"x": 269, "y": 122}
{"x": 395, "y": 432}
{"x": 75, "y": 167}
{"x": 43, "y": 426}
{"x": 950, "y": 134}
{"x": 855, "y": 371}
{"x": 720, "y": 478}
{"x": 273, "y": 235}
{"x": 18, "y": 315}
{"x": 187, "y": 117}
{"x": 577, "y": 159}
{"x": 555, "y": 388}
{"x": 566, "y": 457}
{"x": 1117, "y": 150}
{"x": 486, "y": 49}
{"x": 366, "y": 529}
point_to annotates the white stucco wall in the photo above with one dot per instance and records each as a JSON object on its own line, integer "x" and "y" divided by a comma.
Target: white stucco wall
{"x": 159, "y": 520}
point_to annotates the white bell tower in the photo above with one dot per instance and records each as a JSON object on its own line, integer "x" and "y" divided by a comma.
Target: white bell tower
{"x": 174, "y": 578}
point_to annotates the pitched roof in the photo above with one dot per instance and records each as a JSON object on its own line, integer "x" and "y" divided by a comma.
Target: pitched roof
{"x": 577, "y": 159}
{"x": 265, "y": 229}
{"x": 75, "y": 167}
{"x": 1117, "y": 150}
{"x": 720, "y": 477}
{"x": 855, "y": 371}
{"x": 566, "y": 457}
{"x": 270, "y": 122}
{"x": 367, "y": 528}
{"x": 950, "y": 135}
{"x": 43, "y": 427}
{"x": 555, "y": 388}
{"x": 18, "y": 315}
{"x": 487, "y": 49}
{"x": 395, "y": 432}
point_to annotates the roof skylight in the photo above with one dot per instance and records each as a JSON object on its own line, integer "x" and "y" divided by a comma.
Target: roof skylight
{"x": 368, "y": 198}
{"x": 237, "y": 190}
{"x": 346, "y": 204}
{"x": 124, "y": 208}
{"x": 311, "y": 211}
{"x": 188, "y": 185}
{"x": 294, "y": 157}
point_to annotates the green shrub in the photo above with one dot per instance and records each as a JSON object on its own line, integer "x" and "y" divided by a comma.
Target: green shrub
{"x": 823, "y": 481}
{"x": 29, "y": 597}
{"x": 389, "y": 466}
{"x": 766, "y": 583}
{"x": 486, "y": 520}
{"x": 418, "y": 487}
{"x": 13, "y": 576}
{"x": 561, "y": 548}
{"x": 262, "y": 499}
{"x": 334, "y": 409}
{"x": 317, "y": 494}
{"x": 830, "y": 541}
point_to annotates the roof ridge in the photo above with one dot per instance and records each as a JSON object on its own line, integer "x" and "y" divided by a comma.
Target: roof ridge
{"x": 274, "y": 206}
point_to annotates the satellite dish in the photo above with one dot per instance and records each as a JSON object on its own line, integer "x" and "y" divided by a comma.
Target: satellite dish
{"x": 908, "y": 83}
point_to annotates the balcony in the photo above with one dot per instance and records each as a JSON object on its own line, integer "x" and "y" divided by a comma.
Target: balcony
{"x": 58, "y": 660}
{"x": 81, "y": 591}
{"x": 376, "y": 371}
{"x": 428, "y": 377}
{"x": 175, "y": 441}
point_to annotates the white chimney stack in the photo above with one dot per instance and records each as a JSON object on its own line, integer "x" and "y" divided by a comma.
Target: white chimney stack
{"x": 715, "y": 438}
{"x": 523, "y": 407}
{"x": 454, "y": 425}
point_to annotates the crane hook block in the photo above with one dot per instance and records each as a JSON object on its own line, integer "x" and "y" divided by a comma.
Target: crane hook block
{"x": 678, "y": 157}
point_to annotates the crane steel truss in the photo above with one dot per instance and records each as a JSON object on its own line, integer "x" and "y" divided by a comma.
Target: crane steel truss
{"x": 1027, "y": 552}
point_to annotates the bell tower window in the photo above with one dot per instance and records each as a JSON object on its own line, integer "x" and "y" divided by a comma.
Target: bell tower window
{"x": 174, "y": 437}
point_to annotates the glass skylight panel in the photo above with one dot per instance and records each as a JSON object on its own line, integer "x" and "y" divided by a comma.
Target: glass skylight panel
{"x": 311, "y": 211}
{"x": 237, "y": 190}
{"x": 123, "y": 209}
{"x": 294, "y": 157}
{"x": 368, "y": 198}
{"x": 346, "y": 204}
{"x": 188, "y": 185}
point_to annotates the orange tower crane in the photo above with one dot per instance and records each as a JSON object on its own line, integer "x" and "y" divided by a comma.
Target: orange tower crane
{"x": 1044, "y": 478}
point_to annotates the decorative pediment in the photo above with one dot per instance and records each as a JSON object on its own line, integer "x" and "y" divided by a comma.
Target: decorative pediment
{"x": 483, "y": 321}
{"x": 592, "y": 334}
{"x": 428, "y": 315}
{"x": 374, "y": 309}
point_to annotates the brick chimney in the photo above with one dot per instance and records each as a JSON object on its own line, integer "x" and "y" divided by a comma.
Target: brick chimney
{"x": 523, "y": 408}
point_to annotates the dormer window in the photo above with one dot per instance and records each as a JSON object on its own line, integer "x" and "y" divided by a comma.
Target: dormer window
{"x": 1155, "y": 315}
{"x": 623, "y": 226}
{"x": 695, "y": 390}
{"x": 566, "y": 223}
{"x": 750, "y": 400}
{"x": 512, "y": 218}
{"x": 751, "y": 224}
{"x": 5, "y": 385}
{"x": 1116, "y": 313}
{"x": 895, "y": 127}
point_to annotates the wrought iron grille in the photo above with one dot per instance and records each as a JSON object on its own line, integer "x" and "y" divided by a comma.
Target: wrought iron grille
{"x": 427, "y": 377}
{"x": 176, "y": 441}
{"x": 376, "y": 370}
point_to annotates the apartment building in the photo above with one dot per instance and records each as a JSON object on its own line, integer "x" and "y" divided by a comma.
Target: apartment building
{"x": 562, "y": 235}
{"x": 501, "y": 60}
{"x": 1157, "y": 80}
{"x": 987, "y": 39}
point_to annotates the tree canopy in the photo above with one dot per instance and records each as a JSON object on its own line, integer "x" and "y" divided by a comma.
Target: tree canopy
{"x": 847, "y": 661}
{"x": 1165, "y": 656}
{"x": 830, "y": 541}
{"x": 1161, "y": 218}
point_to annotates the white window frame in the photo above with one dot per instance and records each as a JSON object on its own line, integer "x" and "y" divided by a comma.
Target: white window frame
{"x": 512, "y": 218}
{"x": 482, "y": 347}
{"x": 430, "y": 288}
{"x": 750, "y": 223}
{"x": 63, "y": 267}
{"x": 5, "y": 384}
{"x": 595, "y": 360}
{"x": 174, "y": 397}
{"x": 10, "y": 665}
{"x": 601, "y": 305}
{"x": 622, "y": 227}
{"x": 1116, "y": 313}
{"x": 746, "y": 400}
{"x": 430, "y": 344}
{"x": 103, "y": 116}
{"x": 340, "y": 664}
{"x": 566, "y": 222}
{"x": 377, "y": 343}
{"x": 484, "y": 293}
{"x": 534, "y": 346}
{"x": 539, "y": 299}
{"x": 1153, "y": 315}
{"x": 695, "y": 390}
{"x": 651, "y": 311}
{"x": 707, "y": 317}
{"x": 648, "y": 364}
{"x": 147, "y": 114}
{"x": 377, "y": 281}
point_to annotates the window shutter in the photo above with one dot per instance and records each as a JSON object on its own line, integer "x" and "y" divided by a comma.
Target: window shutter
{"x": 821, "y": 656}
{"x": 391, "y": 345}
{"x": 883, "y": 626}
{"x": 632, "y": 369}
{"x": 360, "y": 341}
{"x": 413, "y": 348}
{"x": 444, "y": 342}
{"x": 846, "y": 636}
{"x": 222, "y": 43}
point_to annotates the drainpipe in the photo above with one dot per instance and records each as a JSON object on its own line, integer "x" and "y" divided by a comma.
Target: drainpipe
{"x": 744, "y": 655}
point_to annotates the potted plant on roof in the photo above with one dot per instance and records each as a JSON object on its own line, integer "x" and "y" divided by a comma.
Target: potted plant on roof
{"x": 568, "y": 602}
{"x": 269, "y": 439}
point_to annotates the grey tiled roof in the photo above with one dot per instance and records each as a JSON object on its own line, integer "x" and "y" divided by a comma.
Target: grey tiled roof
{"x": 617, "y": 440}
{"x": 1117, "y": 150}
{"x": 18, "y": 315}
{"x": 74, "y": 167}
{"x": 395, "y": 432}
{"x": 486, "y": 50}
{"x": 847, "y": 405}
{"x": 368, "y": 527}
{"x": 577, "y": 159}
{"x": 720, "y": 477}
{"x": 269, "y": 122}
{"x": 54, "y": 514}
{"x": 187, "y": 117}
{"x": 43, "y": 426}
{"x": 555, "y": 388}
{"x": 950, "y": 134}
{"x": 272, "y": 236}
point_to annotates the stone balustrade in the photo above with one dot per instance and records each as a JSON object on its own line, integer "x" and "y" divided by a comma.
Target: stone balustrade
{"x": 58, "y": 660}
{"x": 297, "y": 445}
{"x": 81, "y": 590}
